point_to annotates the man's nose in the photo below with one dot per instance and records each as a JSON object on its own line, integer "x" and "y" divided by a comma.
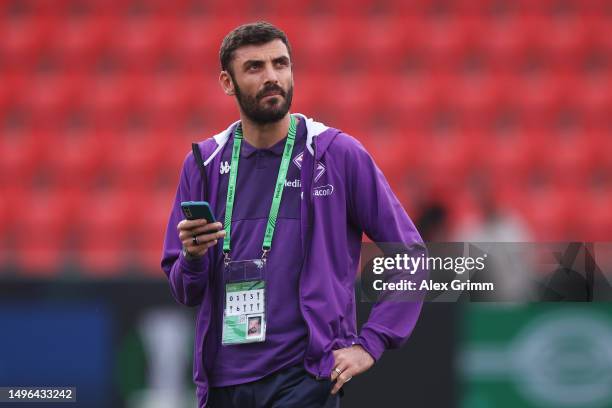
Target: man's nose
{"x": 270, "y": 74}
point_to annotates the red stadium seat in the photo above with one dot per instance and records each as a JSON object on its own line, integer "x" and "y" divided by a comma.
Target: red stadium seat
{"x": 24, "y": 37}
{"x": 396, "y": 152}
{"x": 381, "y": 41}
{"x": 48, "y": 96}
{"x": 547, "y": 211}
{"x": 319, "y": 46}
{"x": 601, "y": 142}
{"x": 449, "y": 159}
{"x": 79, "y": 40}
{"x": 197, "y": 42}
{"x": 536, "y": 92}
{"x": 504, "y": 39}
{"x": 8, "y": 217}
{"x": 562, "y": 36}
{"x": 593, "y": 93}
{"x": 107, "y": 221}
{"x": 444, "y": 37}
{"x": 133, "y": 158}
{"x": 475, "y": 93}
{"x": 20, "y": 151}
{"x": 415, "y": 96}
{"x": 108, "y": 98}
{"x": 566, "y": 8}
{"x": 137, "y": 41}
{"x": 595, "y": 220}
{"x": 41, "y": 229}
{"x": 567, "y": 149}
{"x": 75, "y": 157}
{"x": 308, "y": 89}
{"x": 229, "y": 10}
{"x": 511, "y": 154}
{"x": 352, "y": 99}
{"x": 151, "y": 231}
{"x": 164, "y": 97}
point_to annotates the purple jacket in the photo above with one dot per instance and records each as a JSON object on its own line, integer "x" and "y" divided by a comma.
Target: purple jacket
{"x": 344, "y": 194}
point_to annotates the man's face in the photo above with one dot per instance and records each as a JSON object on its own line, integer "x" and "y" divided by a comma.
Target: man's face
{"x": 254, "y": 326}
{"x": 262, "y": 80}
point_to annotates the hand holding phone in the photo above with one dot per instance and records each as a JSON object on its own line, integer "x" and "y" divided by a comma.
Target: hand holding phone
{"x": 194, "y": 210}
{"x": 199, "y": 231}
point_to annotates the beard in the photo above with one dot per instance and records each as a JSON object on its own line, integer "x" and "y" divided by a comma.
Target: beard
{"x": 272, "y": 110}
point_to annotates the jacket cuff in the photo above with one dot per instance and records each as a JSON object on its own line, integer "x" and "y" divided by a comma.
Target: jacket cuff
{"x": 191, "y": 265}
{"x": 371, "y": 342}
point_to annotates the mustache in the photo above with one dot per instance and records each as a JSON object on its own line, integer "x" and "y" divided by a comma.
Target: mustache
{"x": 270, "y": 90}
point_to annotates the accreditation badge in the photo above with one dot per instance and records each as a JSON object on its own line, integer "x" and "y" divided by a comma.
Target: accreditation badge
{"x": 244, "y": 309}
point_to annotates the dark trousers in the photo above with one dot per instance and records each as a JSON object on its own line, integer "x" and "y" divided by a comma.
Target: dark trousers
{"x": 291, "y": 387}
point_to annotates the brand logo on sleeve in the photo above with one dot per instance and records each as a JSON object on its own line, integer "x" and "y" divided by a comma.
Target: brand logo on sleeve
{"x": 224, "y": 168}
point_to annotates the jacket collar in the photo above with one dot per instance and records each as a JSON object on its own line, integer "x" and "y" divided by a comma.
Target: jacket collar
{"x": 313, "y": 129}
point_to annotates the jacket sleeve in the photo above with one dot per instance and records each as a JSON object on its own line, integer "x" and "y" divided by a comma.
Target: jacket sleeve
{"x": 376, "y": 210}
{"x": 187, "y": 278}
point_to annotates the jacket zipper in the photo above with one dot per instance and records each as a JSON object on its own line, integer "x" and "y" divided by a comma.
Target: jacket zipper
{"x": 211, "y": 320}
{"x": 307, "y": 246}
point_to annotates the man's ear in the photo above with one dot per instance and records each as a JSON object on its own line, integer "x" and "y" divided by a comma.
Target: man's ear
{"x": 226, "y": 82}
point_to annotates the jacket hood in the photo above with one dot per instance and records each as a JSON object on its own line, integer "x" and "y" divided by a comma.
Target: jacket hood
{"x": 324, "y": 135}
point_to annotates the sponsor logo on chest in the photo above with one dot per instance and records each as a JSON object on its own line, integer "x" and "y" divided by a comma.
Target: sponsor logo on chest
{"x": 323, "y": 191}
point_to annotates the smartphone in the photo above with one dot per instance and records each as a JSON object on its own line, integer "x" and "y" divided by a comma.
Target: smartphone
{"x": 195, "y": 210}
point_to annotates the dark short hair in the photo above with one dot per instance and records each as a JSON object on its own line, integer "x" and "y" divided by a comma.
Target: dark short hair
{"x": 257, "y": 33}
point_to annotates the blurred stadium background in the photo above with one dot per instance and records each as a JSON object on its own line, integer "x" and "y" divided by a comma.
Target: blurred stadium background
{"x": 472, "y": 108}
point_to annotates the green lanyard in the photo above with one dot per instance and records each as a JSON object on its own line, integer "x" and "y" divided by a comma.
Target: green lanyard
{"x": 278, "y": 190}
